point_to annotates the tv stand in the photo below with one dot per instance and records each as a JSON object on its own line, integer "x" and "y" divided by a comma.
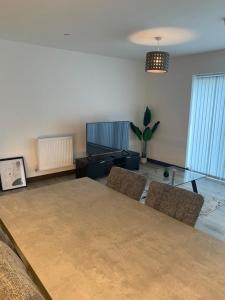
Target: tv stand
{"x": 97, "y": 166}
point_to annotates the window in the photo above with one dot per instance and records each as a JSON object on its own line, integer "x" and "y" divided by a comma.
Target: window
{"x": 206, "y": 137}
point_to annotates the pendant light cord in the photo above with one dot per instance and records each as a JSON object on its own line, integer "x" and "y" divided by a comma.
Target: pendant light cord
{"x": 158, "y": 38}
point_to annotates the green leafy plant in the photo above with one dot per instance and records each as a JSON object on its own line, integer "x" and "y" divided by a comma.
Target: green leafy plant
{"x": 147, "y": 133}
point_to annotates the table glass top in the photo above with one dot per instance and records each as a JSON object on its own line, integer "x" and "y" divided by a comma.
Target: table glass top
{"x": 179, "y": 176}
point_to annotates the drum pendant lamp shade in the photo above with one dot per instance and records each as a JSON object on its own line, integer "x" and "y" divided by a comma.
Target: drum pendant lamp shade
{"x": 157, "y": 61}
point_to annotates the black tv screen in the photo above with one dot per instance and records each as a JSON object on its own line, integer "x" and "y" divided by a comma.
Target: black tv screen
{"x": 106, "y": 137}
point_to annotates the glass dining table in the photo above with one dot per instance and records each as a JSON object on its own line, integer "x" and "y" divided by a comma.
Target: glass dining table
{"x": 179, "y": 176}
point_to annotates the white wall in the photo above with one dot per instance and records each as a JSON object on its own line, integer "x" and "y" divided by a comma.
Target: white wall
{"x": 47, "y": 91}
{"x": 169, "y": 97}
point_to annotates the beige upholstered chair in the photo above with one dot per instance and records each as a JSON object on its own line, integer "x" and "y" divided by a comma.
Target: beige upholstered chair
{"x": 126, "y": 182}
{"x": 15, "y": 282}
{"x": 178, "y": 203}
{"x": 4, "y": 238}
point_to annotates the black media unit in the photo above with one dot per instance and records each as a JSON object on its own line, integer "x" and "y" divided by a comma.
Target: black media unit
{"x": 97, "y": 166}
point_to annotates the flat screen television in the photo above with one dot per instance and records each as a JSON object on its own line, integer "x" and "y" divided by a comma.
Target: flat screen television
{"x": 107, "y": 137}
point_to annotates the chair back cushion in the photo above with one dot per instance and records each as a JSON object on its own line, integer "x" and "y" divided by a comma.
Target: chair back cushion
{"x": 126, "y": 182}
{"x": 15, "y": 283}
{"x": 178, "y": 203}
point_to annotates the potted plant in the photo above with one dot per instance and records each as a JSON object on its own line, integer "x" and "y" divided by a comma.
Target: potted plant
{"x": 146, "y": 134}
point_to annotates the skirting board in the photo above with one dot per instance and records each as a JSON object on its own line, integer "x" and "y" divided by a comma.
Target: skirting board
{"x": 164, "y": 164}
{"x": 69, "y": 172}
{"x": 52, "y": 175}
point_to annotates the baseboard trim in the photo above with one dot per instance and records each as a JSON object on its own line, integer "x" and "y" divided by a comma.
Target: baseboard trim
{"x": 163, "y": 164}
{"x": 69, "y": 172}
{"x": 52, "y": 175}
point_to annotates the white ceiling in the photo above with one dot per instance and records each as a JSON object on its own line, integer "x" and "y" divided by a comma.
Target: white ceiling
{"x": 103, "y": 26}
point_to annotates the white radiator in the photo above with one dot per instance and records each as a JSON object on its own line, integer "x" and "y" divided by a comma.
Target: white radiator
{"x": 55, "y": 152}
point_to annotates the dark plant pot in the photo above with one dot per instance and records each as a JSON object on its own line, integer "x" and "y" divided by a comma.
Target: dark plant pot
{"x": 166, "y": 173}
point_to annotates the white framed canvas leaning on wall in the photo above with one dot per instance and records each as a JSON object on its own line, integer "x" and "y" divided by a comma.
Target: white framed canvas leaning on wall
{"x": 12, "y": 173}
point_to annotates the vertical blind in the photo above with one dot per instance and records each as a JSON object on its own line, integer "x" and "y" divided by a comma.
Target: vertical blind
{"x": 206, "y": 137}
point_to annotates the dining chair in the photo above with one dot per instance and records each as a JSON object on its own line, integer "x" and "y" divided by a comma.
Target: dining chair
{"x": 15, "y": 280}
{"x": 4, "y": 238}
{"x": 126, "y": 182}
{"x": 177, "y": 203}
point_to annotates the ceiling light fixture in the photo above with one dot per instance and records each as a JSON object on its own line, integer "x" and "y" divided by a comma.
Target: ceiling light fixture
{"x": 157, "y": 61}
